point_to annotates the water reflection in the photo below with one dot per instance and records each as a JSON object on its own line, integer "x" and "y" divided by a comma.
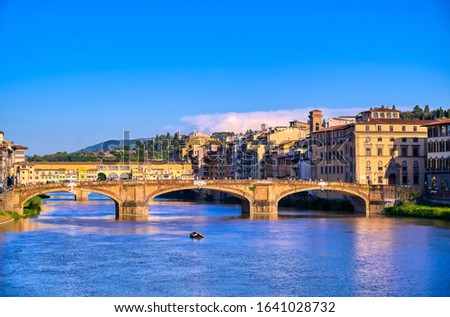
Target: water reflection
{"x": 78, "y": 249}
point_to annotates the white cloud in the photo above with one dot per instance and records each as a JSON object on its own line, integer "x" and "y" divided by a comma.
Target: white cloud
{"x": 242, "y": 121}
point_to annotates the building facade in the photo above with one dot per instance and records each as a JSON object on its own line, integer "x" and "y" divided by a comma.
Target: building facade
{"x": 438, "y": 156}
{"x": 10, "y": 154}
{"x": 30, "y": 173}
{"x": 373, "y": 150}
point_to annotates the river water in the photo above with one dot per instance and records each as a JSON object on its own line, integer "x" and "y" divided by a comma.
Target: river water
{"x": 78, "y": 249}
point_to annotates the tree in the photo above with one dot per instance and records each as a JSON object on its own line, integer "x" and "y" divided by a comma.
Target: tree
{"x": 418, "y": 112}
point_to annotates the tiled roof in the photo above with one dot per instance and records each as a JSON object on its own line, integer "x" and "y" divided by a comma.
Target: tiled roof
{"x": 20, "y": 147}
{"x": 437, "y": 122}
{"x": 394, "y": 121}
{"x": 381, "y": 109}
{"x": 336, "y": 127}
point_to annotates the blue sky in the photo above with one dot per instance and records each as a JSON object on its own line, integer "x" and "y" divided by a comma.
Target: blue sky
{"x": 75, "y": 73}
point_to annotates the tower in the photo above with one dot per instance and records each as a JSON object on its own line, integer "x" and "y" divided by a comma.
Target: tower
{"x": 315, "y": 120}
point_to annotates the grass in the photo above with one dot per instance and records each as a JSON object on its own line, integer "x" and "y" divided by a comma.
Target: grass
{"x": 421, "y": 211}
{"x": 8, "y": 215}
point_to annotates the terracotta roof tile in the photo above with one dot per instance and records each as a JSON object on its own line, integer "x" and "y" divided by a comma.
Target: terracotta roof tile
{"x": 437, "y": 122}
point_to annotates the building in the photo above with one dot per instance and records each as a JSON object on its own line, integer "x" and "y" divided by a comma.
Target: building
{"x": 379, "y": 148}
{"x": 257, "y": 149}
{"x": 332, "y": 122}
{"x": 30, "y": 173}
{"x": 10, "y": 154}
{"x": 438, "y": 154}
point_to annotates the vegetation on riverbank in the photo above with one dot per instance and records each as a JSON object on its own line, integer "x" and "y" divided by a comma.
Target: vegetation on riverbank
{"x": 421, "y": 211}
{"x": 32, "y": 208}
{"x": 6, "y": 216}
{"x": 316, "y": 204}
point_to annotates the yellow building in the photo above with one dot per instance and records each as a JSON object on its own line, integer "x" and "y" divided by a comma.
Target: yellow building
{"x": 50, "y": 172}
{"x": 379, "y": 148}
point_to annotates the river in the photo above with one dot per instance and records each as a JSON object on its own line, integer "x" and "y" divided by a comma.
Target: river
{"x": 78, "y": 249}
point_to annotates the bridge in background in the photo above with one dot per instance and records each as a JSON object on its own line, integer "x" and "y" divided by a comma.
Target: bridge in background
{"x": 259, "y": 197}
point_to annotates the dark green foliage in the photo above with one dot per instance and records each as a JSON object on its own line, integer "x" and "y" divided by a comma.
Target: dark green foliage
{"x": 316, "y": 204}
{"x": 421, "y": 211}
{"x": 66, "y": 157}
{"x": 32, "y": 207}
{"x": 424, "y": 114}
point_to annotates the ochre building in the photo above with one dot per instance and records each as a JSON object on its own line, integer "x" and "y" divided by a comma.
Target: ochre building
{"x": 379, "y": 148}
{"x": 28, "y": 173}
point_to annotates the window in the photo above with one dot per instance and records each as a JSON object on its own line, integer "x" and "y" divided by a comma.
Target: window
{"x": 416, "y": 179}
{"x": 404, "y": 151}
{"x": 375, "y": 115}
{"x": 391, "y": 128}
{"x": 382, "y": 115}
{"x": 380, "y": 140}
{"x": 403, "y": 128}
{"x": 405, "y": 179}
{"x": 415, "y": 128}
{"x": 379, "y": 128}
{"x": 367, "y": 151}
{"x": 416, "y": 140}
{"x": 367, "y": 128}
{"x": 392, "y": 140}
{"x": 415, "y": 151}
{"x": 380, "y": 166}
{"x": 368, "y": 166}
{"x": 395, "y": 115}
{"x": 404, "y": 166}
{"x": 404, "y": 140}
{"x": 416, "y": 167}
{"x": 380, "y": 178}
{"x": 380, "y": 152}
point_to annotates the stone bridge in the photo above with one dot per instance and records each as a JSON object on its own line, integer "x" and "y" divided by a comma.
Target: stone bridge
{"x": 259, "y": 197}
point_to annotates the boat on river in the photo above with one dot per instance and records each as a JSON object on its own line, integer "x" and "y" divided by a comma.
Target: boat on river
{"x": 196, "y": 235}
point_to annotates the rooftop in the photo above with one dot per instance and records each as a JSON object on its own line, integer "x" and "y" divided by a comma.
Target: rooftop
{"x": 437, "y": 122}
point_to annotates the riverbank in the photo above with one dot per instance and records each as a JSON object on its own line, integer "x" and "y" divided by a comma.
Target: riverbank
{"x": 418, "y": 211}
{"x": 32, "y": 208}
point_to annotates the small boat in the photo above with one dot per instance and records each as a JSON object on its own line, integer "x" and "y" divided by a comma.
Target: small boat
{"x": 196, "y": 235}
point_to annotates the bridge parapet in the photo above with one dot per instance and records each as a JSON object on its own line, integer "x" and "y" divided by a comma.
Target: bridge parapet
{"x": 260, "y": 197}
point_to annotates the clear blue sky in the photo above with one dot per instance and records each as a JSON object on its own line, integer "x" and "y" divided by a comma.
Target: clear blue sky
{"x": 75, "y": 73}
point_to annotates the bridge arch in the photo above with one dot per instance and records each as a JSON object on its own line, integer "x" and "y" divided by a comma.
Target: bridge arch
{"x": 26, "y": 195}
{"x": 246, "y": 200}
{"x": 363, "y": 198}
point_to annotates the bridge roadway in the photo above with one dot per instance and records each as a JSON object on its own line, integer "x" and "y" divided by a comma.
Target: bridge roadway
{"x": 259, "y": 197}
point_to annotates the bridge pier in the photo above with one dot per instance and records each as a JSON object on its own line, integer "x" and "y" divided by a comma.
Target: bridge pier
{"x": 263, "y": 204}
{"x": 81, "y": 195}
{"x": 375, "y": 208}
{"x": 132, "y": 210}
{"x": 263, "y": 208}
{"x": 11, "y": 202}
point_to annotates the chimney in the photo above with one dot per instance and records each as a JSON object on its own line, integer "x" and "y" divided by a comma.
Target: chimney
{"x": 263, "y": 126}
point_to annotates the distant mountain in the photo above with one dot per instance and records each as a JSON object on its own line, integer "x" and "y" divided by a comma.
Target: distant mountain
{"x": 111, "y": 145}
